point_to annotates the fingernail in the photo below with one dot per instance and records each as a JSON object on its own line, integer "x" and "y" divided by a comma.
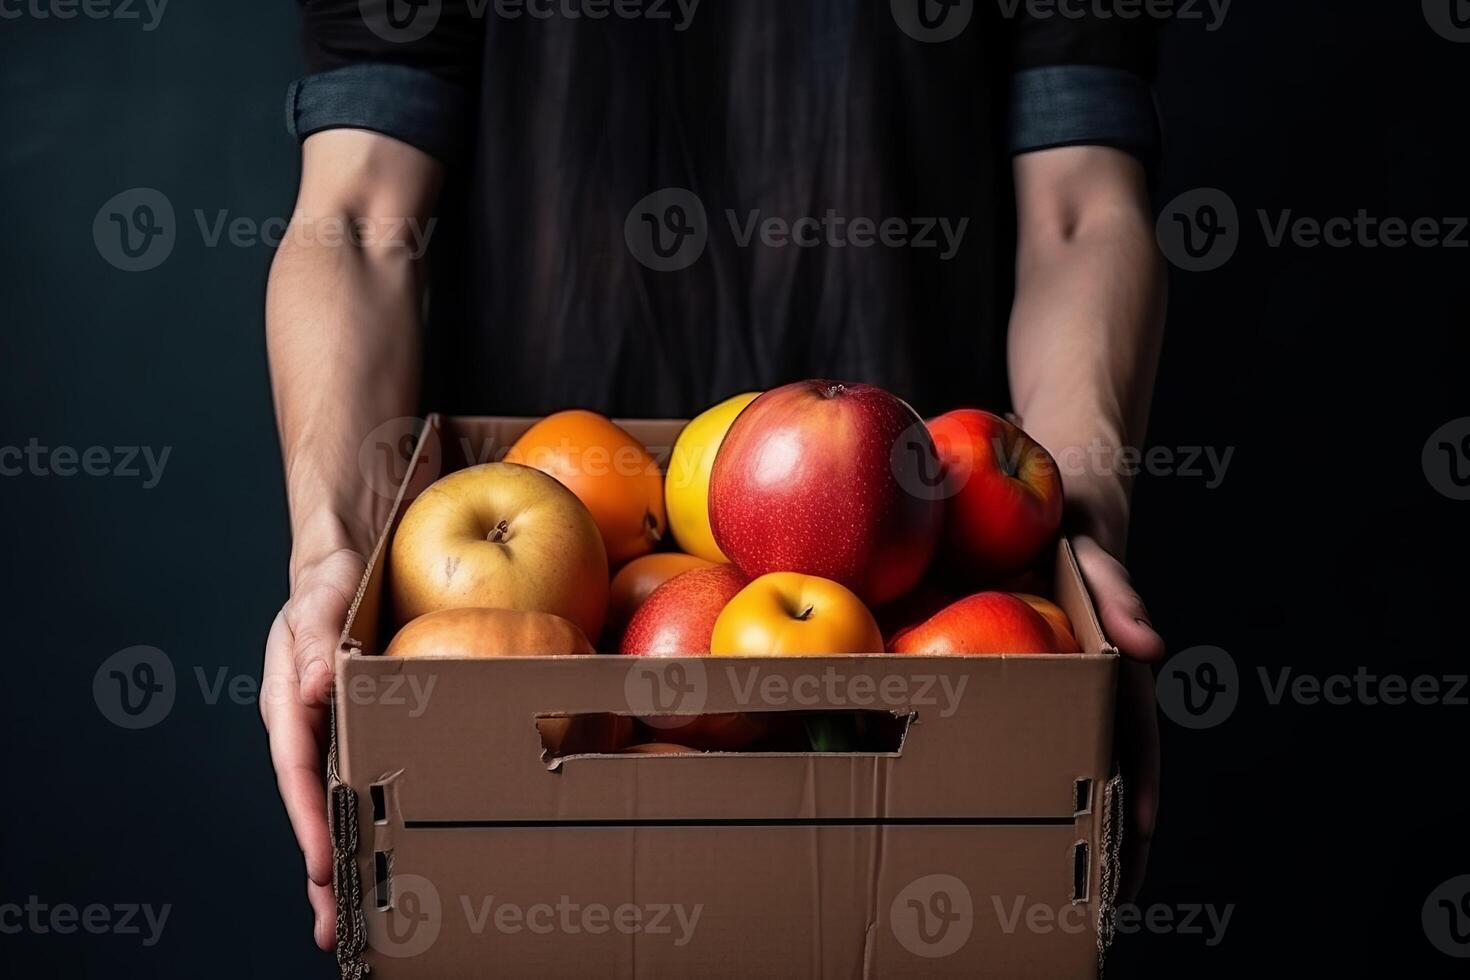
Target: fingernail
{"x": 1143, "y": 622}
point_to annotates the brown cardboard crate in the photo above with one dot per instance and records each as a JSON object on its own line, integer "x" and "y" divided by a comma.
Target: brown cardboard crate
{"x": 984, "y": 841}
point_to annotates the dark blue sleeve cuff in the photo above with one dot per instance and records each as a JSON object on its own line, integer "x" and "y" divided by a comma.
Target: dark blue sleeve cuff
{"x": 1071, "y": 105}
{"x": 405, "y": 103}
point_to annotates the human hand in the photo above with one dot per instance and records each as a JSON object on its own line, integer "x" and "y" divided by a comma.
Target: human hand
{"x": 296, "y": 698}
{"x": 1126, "y": 624}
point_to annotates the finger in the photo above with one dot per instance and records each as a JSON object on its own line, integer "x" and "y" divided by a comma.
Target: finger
{"x": 314, "y": 617}
{"x": 296, "y": 753}
{"x": 1124, "y": 618}
{"x": 1138, "y": 757}
{"x": 324, "y": 913}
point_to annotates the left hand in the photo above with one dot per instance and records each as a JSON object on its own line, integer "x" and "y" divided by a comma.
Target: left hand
{"x": 1126, "y": 624}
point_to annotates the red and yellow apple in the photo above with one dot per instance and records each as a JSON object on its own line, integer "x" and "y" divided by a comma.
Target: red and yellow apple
{"x": 678, "y": 618}
{"x": 926, "y": 599}
{"x": 828, "y": 479}
{"x": 984, "y": 623}
{"x": 1060, "y": 622}
{"x": 635, "y": 582}
{"x": 472, "y": 631}
{"x": 502, "y": 536}
{"x": 1004, "y": 508}
{"x": 786, "y": 614}
{"x": 659, "y": 748}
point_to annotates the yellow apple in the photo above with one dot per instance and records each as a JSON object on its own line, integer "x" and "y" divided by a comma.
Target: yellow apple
{"x": 786, "y": 614}
{"x": 504, "y": 536}
{"x": 686, "y": 486}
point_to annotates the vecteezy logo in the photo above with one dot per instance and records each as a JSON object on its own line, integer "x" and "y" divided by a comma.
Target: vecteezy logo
{"x": 410, "y": 924}
{"x": 932, "y": 21}
{"x": 1199, "y": 230}
{"x": 1199, "y": 687}
{"x": 386, "y": 451}
{"x": 933, "y": 916}
{"x": 1446, "y": 459}
{"x": 400, "y": 21}
{"x": 664, "y": 693}
{"x": 1446, "y": 917}
{"x": 917, "y": 467}
{"x": 667, "y": 230}
{"x": 1449, "y": 18}
{"x": 135, "y": 230}
{"x": 134, "y": 688}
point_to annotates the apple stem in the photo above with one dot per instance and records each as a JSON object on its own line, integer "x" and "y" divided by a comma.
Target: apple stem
{"x": 832, "y": 391}
{"x": 499, "y": 532}
{"x": 806, "y": 613}
{"x": 650, "y": 524}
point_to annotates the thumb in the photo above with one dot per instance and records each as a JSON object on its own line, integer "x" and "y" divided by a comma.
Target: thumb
{"x": 314, "y": 618}
{"x": 1124, "y": 617}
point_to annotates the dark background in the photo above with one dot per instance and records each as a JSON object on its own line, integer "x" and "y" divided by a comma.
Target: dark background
{"x": 1325, "y": 547}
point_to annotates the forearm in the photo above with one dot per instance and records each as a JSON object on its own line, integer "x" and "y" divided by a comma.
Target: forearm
{"x": 343, "y": 339}
{"x": 343, "y": 336}
{"x": 1088, "y": 318}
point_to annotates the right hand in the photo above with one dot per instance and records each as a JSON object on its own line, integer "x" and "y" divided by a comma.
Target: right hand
{"x": 296, "y": 692}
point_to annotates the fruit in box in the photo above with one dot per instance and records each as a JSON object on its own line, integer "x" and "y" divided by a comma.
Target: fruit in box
{"x": 501, "y": 536}
{"x": 830, "y": 479}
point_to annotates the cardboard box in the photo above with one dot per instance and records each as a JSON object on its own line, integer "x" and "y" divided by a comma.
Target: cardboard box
{"x": 983, "y": 840}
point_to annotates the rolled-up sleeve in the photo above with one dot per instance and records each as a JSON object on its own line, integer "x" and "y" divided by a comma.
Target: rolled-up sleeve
{"x": 403, "y": 70}
{"x": 1083, "y": 79}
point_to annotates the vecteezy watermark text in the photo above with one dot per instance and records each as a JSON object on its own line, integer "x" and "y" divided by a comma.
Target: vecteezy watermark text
{"x": 122, "y": 462}
{"x": 407, "y": 21}
{"x": 1200, "y": 230}
{"x": 682, "y": 688}
{"x": 1201, "y": 687}
{"x": 39, "y": 918}
{"x": 1209, "y": 922}
{"x": 569, "y": 918}
{"x": 1211, "y": 12}
{"x": 836, "y": 231}
{"x": 136, "y": 230}
{"x": 137, "y": 687}
{"x": 417, "y": 915}
{"x": 148, "y": 13}
{"x": 669, "y": 229}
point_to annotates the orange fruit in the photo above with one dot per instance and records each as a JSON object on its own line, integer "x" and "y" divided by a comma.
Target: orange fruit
{"x": 608, "y": 470}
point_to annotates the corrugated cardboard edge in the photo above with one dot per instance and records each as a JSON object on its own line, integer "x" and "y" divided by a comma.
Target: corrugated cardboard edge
{"x": 1110, "y": 847}
{"x": 341, "y": 799}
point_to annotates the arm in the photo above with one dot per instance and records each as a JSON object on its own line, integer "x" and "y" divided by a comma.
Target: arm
{"x": 342, "y": 331}
{"x": 1088, "y": 317}
{"x": 1083, "y": 346}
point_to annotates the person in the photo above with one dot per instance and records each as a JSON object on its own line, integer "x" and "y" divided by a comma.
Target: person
{"x": 806, "y": 146}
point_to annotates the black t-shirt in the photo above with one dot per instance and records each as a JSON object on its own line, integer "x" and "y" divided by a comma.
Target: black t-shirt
{"x": 654, "y": 204}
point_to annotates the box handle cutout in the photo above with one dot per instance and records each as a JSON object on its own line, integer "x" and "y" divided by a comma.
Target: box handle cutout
{"x": 383, "y": 879}
{"x": 608, "y": 735}
{"x": 1082, "y": 797}
{"x": 1081, "y": 871}
{"x": 380, "y": 806}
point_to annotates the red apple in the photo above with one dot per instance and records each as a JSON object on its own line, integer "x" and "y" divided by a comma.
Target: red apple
{"x": 829, "y": 479}
{"x": 912, "y": 607}
{"x": 987, "y": 622}
{"x": 1060, "y": 622}
{"x": 1005, "y": 508}
{"x": 678, "y": 618}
